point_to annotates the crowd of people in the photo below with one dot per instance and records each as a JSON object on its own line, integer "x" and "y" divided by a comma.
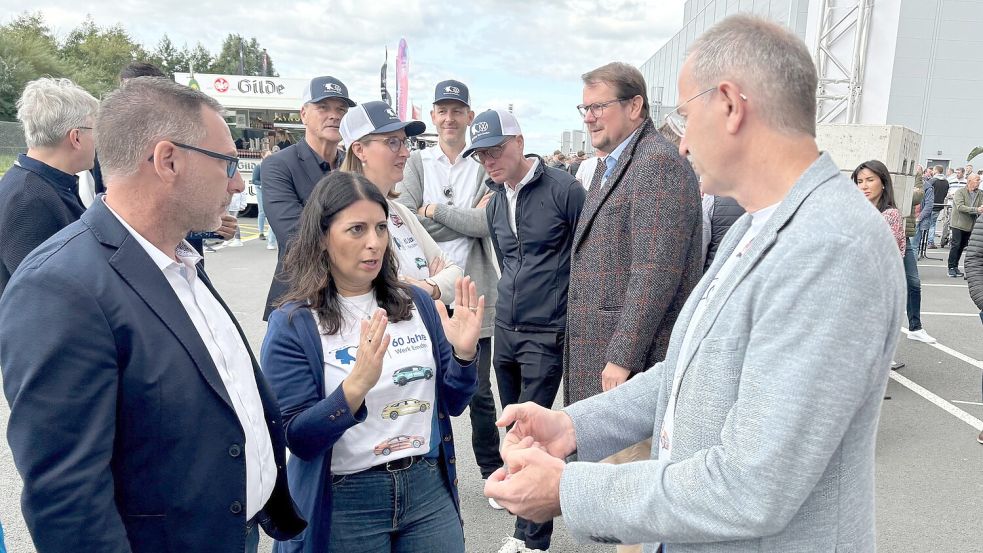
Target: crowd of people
{"x": 668, "y": 284}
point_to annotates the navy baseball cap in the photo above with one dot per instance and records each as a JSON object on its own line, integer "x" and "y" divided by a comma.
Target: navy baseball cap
{"x": 491, "y": 128}
{"x": 375, "y": 117}
{"x": 452, "y": 90}
{"x": 326, "y": 87}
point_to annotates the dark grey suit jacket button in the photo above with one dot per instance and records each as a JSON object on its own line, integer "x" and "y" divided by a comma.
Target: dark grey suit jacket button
{"x": 236, "y": 507}
{"x": 235, "y": 450}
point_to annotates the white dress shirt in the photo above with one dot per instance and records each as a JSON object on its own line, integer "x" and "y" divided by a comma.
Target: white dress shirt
{"x": 460, "y": 180}
{"x": 231, "y": 358}
{"x": 512, "y": 194}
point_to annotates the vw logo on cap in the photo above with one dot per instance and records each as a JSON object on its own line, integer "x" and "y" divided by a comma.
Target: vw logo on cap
{"x": 480, "y": 127}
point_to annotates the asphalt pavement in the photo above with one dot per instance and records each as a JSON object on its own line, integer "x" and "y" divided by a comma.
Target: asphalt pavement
{"x": 929, "y": 465}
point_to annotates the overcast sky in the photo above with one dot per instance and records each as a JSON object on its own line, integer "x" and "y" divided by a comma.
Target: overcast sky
{"x": 524, "y": 52}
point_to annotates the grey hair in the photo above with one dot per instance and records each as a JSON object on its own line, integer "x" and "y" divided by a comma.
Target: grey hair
{"x": 49, "y": 108}
{"x": 141, "y": 113}
{"x": 766, "y": 59}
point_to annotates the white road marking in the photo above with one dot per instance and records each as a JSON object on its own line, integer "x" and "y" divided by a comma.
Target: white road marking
{"x": 939, "y": 402}
{"x": 940, "y": 314}
{"x": 946, "y": 285}
{"x": 967, "y": 402}
{"x": 946, "y": 349}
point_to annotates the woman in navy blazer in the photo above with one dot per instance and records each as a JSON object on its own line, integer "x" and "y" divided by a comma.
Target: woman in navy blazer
{"x": 342, "y": 250}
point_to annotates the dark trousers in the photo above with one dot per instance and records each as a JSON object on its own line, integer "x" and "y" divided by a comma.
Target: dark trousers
{"x": 914, "y": 307}
{"x": 484, "y": 433}
{"x": 528, "y": 366}
{"x": 959, "y": 240}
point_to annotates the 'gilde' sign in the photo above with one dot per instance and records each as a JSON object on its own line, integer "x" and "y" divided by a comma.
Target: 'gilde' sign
{"x": 260, "y": 86}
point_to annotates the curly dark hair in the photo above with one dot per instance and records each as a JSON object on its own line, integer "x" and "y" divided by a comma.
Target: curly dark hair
{"x": 886, "y": 201}
{"x": 307, "y": 267}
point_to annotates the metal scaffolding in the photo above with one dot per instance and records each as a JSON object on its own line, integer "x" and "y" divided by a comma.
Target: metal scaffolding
{"x": 841, "y": 54}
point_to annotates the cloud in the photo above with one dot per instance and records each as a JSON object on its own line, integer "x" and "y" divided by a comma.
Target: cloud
{"x": 530, "y": 54}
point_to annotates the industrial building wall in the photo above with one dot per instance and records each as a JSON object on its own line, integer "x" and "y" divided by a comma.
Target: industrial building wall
{"x": 661, "y": 71}
{"x": 937, "y": 85}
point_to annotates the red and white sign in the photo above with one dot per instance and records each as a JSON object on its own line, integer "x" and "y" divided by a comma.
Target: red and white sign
{"x": 221, "y": 85}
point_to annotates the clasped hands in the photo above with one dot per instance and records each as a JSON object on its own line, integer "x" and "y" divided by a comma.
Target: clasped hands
{"x": 534, "y": 452}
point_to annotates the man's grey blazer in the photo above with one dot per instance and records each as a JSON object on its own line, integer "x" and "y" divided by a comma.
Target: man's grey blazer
{"x": 777, "y": 413}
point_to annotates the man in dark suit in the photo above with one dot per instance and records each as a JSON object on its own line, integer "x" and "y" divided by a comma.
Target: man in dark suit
{"x": 39, "y": 195}
{"x": 637, "y": 252}
{"x": 139, "y": 419}
{"x": 289, "y": 175}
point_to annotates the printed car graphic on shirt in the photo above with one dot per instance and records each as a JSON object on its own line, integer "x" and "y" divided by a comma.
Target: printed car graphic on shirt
{"x": 344, "y": 355}
{"x": 404, "y": 407}
{"x": 421, "y": 263}
{"x": 398, "y": 443}
{"x": 403, "y": 376}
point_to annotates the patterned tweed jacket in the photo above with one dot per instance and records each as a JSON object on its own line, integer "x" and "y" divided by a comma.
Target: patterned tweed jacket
{"x": 636, "y": 257}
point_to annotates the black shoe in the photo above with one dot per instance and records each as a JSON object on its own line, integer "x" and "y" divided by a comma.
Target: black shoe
{"x": 952, "y": 273}
{"x": 262, "y": 236}
{"x": 959, "y": 273}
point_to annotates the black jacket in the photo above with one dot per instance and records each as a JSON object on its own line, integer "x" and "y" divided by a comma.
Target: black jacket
{"x": 289, "y": 177}
{"x": 724, "y": 213}
{"x": 36, "y": 201}
{"x": 535, "y": 260}
{"x": 941, "y": 187}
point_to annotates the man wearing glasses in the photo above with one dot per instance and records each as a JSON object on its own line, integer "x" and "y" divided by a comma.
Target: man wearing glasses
{"x": 447, "y": 192}
{"x": 139, "y": 419}
{"x": 638, "y": 250}
{"x": 39, "y": 194}
{"x": 531, "y": 216}
{"x": 764, "y": 415}
{"x": 289, "y": 175}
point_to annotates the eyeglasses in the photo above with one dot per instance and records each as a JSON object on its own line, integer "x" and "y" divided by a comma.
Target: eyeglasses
{"x": 392, "y": 142}
{"x": 84, "y": 128}
{"x": 494, "y": 152}
{"x": 597, "y": 108}
{"x": 677, "y": 121}
{"x": 232, "y": 163}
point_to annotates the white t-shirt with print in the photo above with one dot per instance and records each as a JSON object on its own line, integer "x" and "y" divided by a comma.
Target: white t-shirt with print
{"x": 412, "y": 260}
{"x": 400, "y": 406}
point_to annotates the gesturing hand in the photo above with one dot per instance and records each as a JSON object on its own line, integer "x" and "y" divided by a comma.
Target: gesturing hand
{"x": 372, "y": 346}
{"x": 550, "y": 430}
{"x": 464, "y": 327}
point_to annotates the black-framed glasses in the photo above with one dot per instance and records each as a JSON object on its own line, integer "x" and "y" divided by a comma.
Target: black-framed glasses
{"x": 232, "y": 163}
{"x": 84, "y": 128}
{"x": 494, "y": 152}
{"x": 597, "y": 108}
{"x": 393, "y": 143}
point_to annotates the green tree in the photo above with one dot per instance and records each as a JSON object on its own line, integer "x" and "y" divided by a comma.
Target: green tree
{"x": 168, "y": 58}
{"x": 28, "y": 50}
{"x": 99, "y": 54}
{"x": 236, "y": 49}
{"x": 199, "y": 59}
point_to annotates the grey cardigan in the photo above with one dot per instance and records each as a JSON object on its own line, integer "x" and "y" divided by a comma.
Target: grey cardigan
{"x": 450, "y": 222}
{"x": 776, "y": 417}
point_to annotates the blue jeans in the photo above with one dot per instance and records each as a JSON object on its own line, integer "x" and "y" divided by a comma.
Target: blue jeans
{"x": 914, "y": 307}
{"x": 407, "y": 511}
{"x": 931, "y": 228}
{"x": 261, "y": 216}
